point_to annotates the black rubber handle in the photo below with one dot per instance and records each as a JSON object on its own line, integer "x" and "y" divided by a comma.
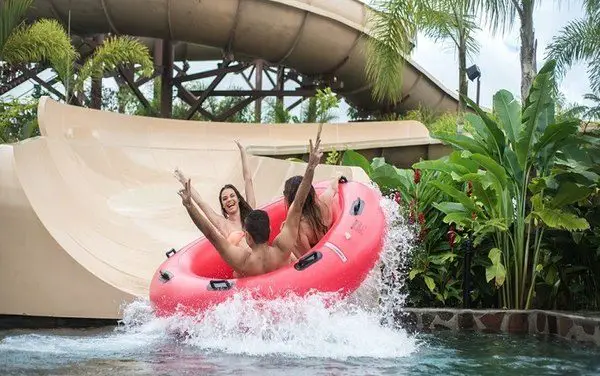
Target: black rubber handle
{"x": 357, "y": 207}
{"x": 165, "y": 276}
{"x": 308, "y": 260}
{"x": 171, "y": 253}
{"x": 342, "y": 180}
{"x": 219, "y": 285}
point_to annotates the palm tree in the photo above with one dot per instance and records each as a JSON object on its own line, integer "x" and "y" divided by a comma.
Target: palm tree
{"x": 395, "y": 24}
{"x": 11, "y": 15}
{"x": 453, "y": 20}
{"x": 580, "y": 41}
{"x": 318, "y": 109}
{"x": 502, "y": 15}
{"x": 44, "y": 40}
{"x": 47, "y": 40}
{"x": 587, "y": 114}
{"x": 393, "y": 27}
{"x": 109, "y": 56}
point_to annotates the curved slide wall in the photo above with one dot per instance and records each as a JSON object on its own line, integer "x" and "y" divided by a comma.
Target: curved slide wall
{"x": 88, "y": 209}
{"x": 311, "y": 36}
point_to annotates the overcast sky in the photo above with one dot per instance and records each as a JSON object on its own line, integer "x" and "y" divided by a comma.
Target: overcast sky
{"x": 498, "y": 58}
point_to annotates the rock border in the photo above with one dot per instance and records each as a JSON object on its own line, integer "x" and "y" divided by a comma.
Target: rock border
{"x": 569, "y": 326}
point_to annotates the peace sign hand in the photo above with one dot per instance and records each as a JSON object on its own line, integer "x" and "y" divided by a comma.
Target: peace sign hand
{"x": 186, "y": 194}
{"x": 315, "y": 152}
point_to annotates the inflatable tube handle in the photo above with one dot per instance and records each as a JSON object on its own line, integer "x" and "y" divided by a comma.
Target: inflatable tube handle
{"x": 165, "y": 276}
{"x": 219, "y": 285}
{"x": 308, "y": 260}
{"x": 342, "y": 180}
{"x": 171, "y": 252}
{"x": 357, "y": 207}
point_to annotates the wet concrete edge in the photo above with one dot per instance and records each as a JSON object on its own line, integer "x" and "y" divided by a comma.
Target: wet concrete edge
{"x": 43, "y": 322}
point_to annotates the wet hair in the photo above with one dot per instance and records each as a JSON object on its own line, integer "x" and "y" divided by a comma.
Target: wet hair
{"x": 245, "y": 208}
{"x": 257, "y": 224}
{"x": 310, "y": 210}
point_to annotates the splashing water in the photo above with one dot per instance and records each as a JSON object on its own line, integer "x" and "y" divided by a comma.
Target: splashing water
{"x": 313, "y": 326}
{"x": 394, "y": 261}
{"x": 319, "y": 326}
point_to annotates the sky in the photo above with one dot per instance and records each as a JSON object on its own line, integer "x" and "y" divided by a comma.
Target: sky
{"x": 498, "y": 58}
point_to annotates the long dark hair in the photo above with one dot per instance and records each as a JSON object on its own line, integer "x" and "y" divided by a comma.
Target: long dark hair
{"x": 310, "y": 210}
{"x": 245, "y": 208}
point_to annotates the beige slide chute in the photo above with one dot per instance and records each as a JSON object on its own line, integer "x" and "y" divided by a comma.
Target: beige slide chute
{"x": 89, "y": 209}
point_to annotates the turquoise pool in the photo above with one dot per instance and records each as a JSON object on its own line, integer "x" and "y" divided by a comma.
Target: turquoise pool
{"x": 110, "y": 352}
{"x": 314, "y": 336}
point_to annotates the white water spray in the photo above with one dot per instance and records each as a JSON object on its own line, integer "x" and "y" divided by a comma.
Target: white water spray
{"x": 319, "y": 325}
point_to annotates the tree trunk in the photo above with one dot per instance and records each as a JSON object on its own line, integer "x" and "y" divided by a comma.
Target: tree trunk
{"x": 120, "y": 99}
{"x": 463, "y": 85}
{"x": 166, "y": 83}
{"x": 96, "y": 90}
{"x": 528, "y": 49}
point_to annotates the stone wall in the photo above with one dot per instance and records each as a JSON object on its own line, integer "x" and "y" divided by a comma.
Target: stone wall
{"x": 570, "y": 326}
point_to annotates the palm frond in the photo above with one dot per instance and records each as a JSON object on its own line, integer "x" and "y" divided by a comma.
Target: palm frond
{"x": 594, "y": 71}
{"x": 45, "y": 40}
{"x": 500, "y": 15}
{"x": 392, "y": 29}
{"x": 310, "y": 111}
{"x": 278, "y": 113}
{"x": 576, "y": 112}
{"x": 11, "y": 15}
{"x": 592, "y": 97}
{"x": 452, "y": 20}
{"x": 578, "y": 41}
{"x": 111, "y": 54}
{"x": 592, "y": 7}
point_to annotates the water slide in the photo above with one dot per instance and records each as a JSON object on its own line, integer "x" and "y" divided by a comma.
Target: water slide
{"x": 88, "y": 209}
{"x": 312, "y": 36}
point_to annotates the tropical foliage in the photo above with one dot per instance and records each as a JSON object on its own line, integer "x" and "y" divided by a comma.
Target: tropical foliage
{"x": 578, "y": 41}
{"x": 44, "y": 40}
{"x": 47, "y": 41}
{"x": 113, "y": 53}
{"x": 395, "y": 25}
{"x": 18, "y": 120}
{"x": 523, "y": 177}
{"x": 517, "y": 181}
{"x": 318, "y": 109}
{"x": 435, "y": 275}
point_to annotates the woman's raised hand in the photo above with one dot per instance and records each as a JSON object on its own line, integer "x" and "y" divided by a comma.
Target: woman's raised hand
{"x": 315, "y": 151}
{"x": 179, "y": 175}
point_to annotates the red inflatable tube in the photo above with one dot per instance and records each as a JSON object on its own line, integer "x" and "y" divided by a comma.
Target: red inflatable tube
{"x": 196, "y": 277}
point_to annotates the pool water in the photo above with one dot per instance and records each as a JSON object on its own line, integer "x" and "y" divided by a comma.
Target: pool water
{"x": 315, "y": 335}
{"x": 287, "y": 337}
{"x": 106, "y": 352}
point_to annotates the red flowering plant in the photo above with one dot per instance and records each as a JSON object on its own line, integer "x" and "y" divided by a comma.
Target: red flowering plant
{"x": 434, "y": 277}
{"x": 436, "y": 262}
